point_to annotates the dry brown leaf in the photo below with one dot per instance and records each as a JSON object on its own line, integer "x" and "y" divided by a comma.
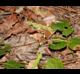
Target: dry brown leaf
{"x": 31, "y": 15}
{"x": 31, "y": 31}
{"x": 38, "y": 36}
{"x": 18, "y": 28}
{"x": 47, "y": 33}
{"x": 8, "y": 8}
{"x": 48, "y": 51}
{"x": 8, "y": 23}
{"x": 24, "y": 47}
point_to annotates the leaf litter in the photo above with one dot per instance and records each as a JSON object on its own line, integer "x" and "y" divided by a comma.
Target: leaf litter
{"x": 27, "y": 29}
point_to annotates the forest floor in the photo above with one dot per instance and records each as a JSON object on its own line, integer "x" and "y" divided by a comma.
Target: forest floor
{"x": 26, "y": 29}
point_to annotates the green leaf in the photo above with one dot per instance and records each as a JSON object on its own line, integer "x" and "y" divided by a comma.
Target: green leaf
{"x": 36, "y": 62}
{"x": 11, "y": 64}
{"x": 4, "y": 48}
{"x": 67, "y": 31}
{"x": 54, "y": 63}
{"x": 57, "y": 45}
{"x": 74, "y": 42}
{"x": 62, "y": 26}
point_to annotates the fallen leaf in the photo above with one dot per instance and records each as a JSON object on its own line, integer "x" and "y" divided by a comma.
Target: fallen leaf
{"x": 18, "y": 28}
{"x": 39, "y": 26}
{"x": 31, "y": 15}
{"x": 37, "y": 36}
{"x": 31, "y": 31}
{"x": 8, "y": 23}
{"x": 47, "y": 33}
{"x": 8, "y": 8}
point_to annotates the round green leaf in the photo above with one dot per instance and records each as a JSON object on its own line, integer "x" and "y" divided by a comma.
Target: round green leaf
{"x": 57, "y": 45}
{"x": 11, "y": 64}
{"x": 62, "y": 26}
{"x": 54, "y": 63}
{"x": 74, "y": 42}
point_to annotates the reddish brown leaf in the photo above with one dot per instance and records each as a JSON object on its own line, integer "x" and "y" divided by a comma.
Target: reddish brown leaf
{"x": 30, "y": 14}
{"x": 18, "y": 28}
{"x": 31, "y": 31}
{"x": 8, "y": 8}
{"x": 47, "y": 33}
{"x": 8, "y": 22}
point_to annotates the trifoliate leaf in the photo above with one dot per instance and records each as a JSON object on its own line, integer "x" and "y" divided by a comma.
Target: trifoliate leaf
{"x": 74, "y": 42}
{"x": 62, "y": 26}
{"x": 57, "y": 45}
{"x": 54, "y": 63}
{"x": 11, "y": 64}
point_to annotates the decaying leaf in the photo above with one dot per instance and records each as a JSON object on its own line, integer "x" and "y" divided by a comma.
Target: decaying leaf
{"x": 39, "y": 26}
